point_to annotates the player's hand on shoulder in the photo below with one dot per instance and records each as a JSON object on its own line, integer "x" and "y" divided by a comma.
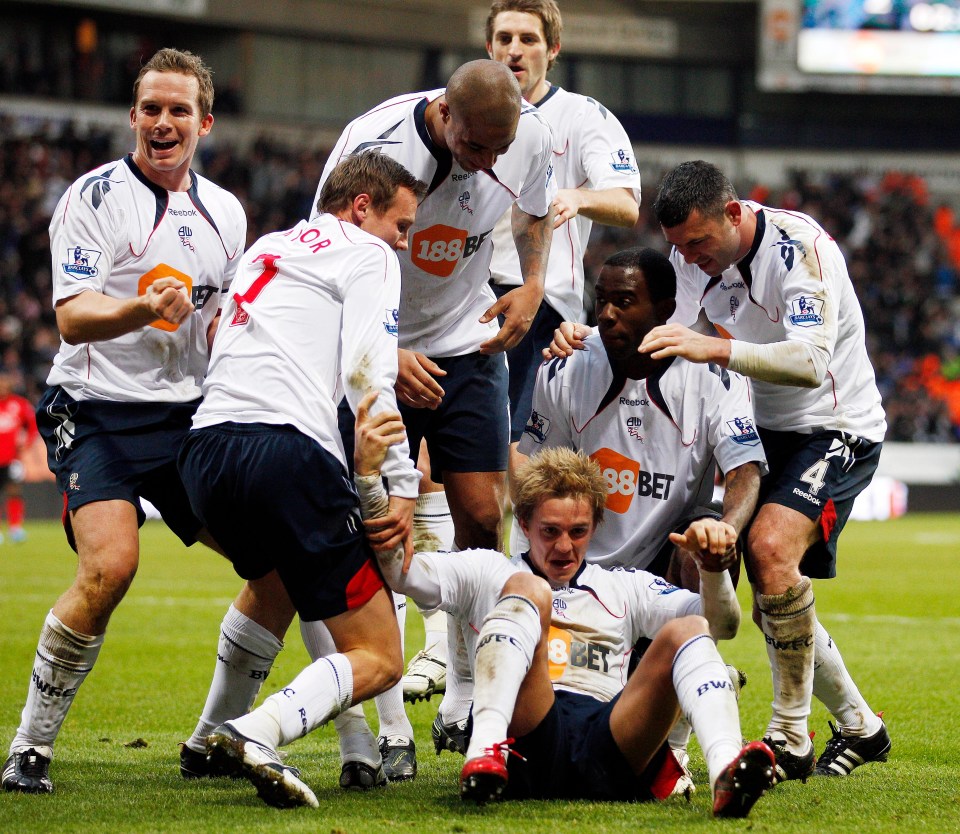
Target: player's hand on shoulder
{"x": 668, "y": 340}
{"x": 169, "y": 299}
{"x": 567, "y": 338}
{"x": 518, "y": 308}
{"x": 712, "y": 542}
{"x": 375, "y": 434}
{"x": 416, "y": 385}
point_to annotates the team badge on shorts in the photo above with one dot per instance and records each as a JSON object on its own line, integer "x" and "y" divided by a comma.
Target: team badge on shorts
{"x": 743, "y": 432}
{"x": 538, "y": 427}
{"x": 81, "y": 263}
{"x": 806, "y": 311}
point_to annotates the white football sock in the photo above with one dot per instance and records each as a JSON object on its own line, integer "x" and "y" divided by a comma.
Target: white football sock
{"x": 64, "y": 659}
{"x": 458, "y": 696}
{"x": 433, "y": 531}
{"x": 505, "y": 648}
{"x": 432, "y": 523}
{"x": 788, "y": 623}
{"x": 679, "y": 736}
{"x": 390, "y": 712}
{"x": 435, "y": 636}
{"x": 245, "y": 654}
{"x": 708, "y": 701}
{"x": 834, "y": 687}
{"x": 357, "y": 742}
{"x": 320, "y": 692}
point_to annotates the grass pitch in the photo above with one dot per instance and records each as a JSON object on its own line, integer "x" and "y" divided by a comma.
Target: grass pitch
{"x": 893, "y": 611}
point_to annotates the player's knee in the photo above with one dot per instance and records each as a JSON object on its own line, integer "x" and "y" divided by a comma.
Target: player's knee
{"x": 677, "y": 632}
{"x": 102, "y": 589}
{"x": 772, "y": 559}
{"x": 390, "y": 670}
{"x": 534, "y": 589}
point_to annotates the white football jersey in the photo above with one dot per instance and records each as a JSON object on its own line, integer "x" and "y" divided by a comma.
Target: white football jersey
{"x": 446, "y": 269}
{"x": 596, "y": 620}
{"x": 792, "y": 285}
{"x": 468, "y": 584}
{"x": 312, "y": 317}
{"x": 658, "y": 442}
{"x": 115, "y": 232}
{"x": 590, "y": 149}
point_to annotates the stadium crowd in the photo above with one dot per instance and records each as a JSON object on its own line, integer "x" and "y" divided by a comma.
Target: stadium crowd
{"x": 903, "y": 253}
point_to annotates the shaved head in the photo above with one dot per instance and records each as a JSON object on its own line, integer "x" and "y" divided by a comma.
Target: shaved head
{"x": 486, "y": 89}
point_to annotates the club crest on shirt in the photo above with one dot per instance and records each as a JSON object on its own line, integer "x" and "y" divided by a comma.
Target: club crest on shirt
{"x": 806, "y": 311}
{"x": 186, "y": 233}
{"x": 734, "y": 305}
{"x": 633, "y": 428}
{"x": 81, "y": 263}
{"x": 538, "y": 427}
{"x": 622, "y": 161}
{"x": 464, "y": 201}
{"x": 391, "y": 321}
{"x": 743, "y": 432}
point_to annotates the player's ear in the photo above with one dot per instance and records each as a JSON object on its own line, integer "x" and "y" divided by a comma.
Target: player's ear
{"x": 523, "y": 526}
{"x": 206, "y": 124}
{"x": 665, "y": 308}
{"x": 734, "y": 211}
{"x": 490, "y": 50}
{"x": 361, "y": 207}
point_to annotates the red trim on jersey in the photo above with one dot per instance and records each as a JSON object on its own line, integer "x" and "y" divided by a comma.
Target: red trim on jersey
{"x": 364, "y": 584}
{"x": 828, "y": 519}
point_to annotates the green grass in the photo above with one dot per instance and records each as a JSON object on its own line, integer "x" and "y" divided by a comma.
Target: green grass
{"x": 893, "y": 611}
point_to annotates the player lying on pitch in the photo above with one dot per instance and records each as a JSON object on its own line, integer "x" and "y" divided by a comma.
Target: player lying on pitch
{"x": 554, "y": 714}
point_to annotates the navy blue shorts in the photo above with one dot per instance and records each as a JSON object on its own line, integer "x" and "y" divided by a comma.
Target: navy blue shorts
{"x": 102, "y": 450}
{"x": 275, "y": 499}
{"x": 525, "y": 359}
{"x": 572, "y": 755}
{"x": 470, "y": 431}
{"x": 818, "y": 475}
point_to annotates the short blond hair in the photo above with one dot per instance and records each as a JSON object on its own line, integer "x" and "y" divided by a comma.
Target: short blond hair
{"x": 185, "y": 63}
{"x": 558, "y": 473}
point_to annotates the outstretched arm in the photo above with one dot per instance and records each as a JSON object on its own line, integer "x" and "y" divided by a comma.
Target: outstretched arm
{"x": 610, "y": 206}
{"x": 405, "y": 572}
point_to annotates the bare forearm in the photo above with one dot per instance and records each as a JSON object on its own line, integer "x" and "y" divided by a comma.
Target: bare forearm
{"x": 609, "y": 206}
{"x": 532, "y": 236}
{"x": 741, "y": 488}
{"x": 94, "y": 317}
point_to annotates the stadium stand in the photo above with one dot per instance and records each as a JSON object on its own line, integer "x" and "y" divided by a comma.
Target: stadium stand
{"x": 903, "y": 252}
